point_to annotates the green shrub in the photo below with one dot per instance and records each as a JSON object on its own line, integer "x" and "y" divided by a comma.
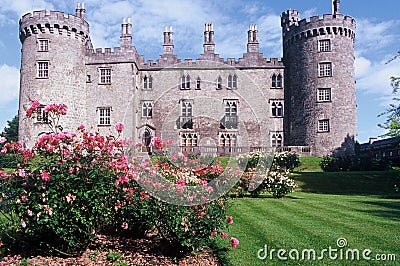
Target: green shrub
{"x": 71, "y": 186}
{"x": 336, "y": 164}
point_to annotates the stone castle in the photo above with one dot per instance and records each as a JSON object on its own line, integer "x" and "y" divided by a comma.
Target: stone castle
{"x": 305, "y": 102}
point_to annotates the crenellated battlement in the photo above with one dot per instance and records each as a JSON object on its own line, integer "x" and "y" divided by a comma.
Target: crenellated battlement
{"x": 296, "y": 29}
{"x": 53, "y": 22}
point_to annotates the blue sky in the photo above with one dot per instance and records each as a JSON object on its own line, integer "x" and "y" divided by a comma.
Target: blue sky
{"x": 378, "y": 35}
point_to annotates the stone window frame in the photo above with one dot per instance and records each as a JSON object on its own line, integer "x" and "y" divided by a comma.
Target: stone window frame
{"x": 43, "y": 45}
{"x": 324, "y": 45}
{"x": 277, "y": 81}
{"x": 186, "y": 108}
{"x": 105, "y": 75}
{"x": 189, "y": 139}
{"x": 232, "y": 81}
{"x": 276, "y": 107}
{"x": 147, "y": 109}
{"x": 325, "y": 69}
{"x": 324, "y": 95}
{"x": 198, "y": 83}
{"x": 147, "y": 82}
{"x": 276, "y": 139}
{"x": 41, "y": 117}
{"x": 185, "y": 82}
{"x": 219, "y": 83}
{"x": 104, "y": 115}
{"x": 227, "y": 139}
{"x": 42, "y": 69}
{"x": 323, "y": 126}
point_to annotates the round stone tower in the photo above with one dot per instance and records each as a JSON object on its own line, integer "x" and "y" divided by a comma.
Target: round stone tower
{"x": 52, "y": 68}
{"x": 320, "y": 100}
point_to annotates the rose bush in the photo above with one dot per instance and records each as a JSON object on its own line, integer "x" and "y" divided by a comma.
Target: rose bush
{"x": 265, "y": 172}
{"x": 71, "y": 186}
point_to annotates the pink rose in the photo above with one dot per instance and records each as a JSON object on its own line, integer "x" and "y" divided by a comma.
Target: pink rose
{"x": 124, "y": 226}
{"x": 224, "y": 235}
{"x": 234, "y": 242}
{"x": 229, "y": 220}
{"x": 45, "y": 176}
{"x": 119, "y": 127}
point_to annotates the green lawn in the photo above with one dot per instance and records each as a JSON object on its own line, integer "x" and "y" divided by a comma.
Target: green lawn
{"x": 314, "y": 221}
{"x": 358, "y": 206}
{"x": 309, "y": 164}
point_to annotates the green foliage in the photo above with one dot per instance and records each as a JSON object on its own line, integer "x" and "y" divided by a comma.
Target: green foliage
{"x": 337, "y": 164}
{"x": 72, "y": 186}
{"x": 11, "y": 130}
{"x": 265, "y": 172}
{"x": 392, "y": 123}
{"x": 287, "y": 160}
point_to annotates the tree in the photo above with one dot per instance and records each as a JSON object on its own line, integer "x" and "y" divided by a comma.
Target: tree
{"x": 392, "y": 123}
{"x": 11, "y": 130}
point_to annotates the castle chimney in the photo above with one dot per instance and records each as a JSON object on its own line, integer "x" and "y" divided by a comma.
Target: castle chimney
{"x": 80, "y": 11}
{"x": 252, "y": 39}
{"x": 335, "y": 7}
{"x": 209, "y": 45}
{"x": 126, "y": 33}
{"x": 168, "y": 46}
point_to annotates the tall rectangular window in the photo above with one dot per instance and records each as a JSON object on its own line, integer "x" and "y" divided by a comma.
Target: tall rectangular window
{"x": 324, "y": 94}
{"x": 324, "y": 45}
{"x": 41, "y": 115}
{"x": 42, "y": 69}
{"x": 148, "y": 83}
{"x": 323, "y": 125}
{"x": 198, "y": 84}
{"x": 232, "y": 82}
{"x": 325, "y": 69}
{"x": 277, "y": 108}
{"x": 276, "y": 139}
{"x": 147, "y": 109}
{"x": 43, "y": 45}
{"x": 104, "y": 116}
{"x": 105, "y": 75}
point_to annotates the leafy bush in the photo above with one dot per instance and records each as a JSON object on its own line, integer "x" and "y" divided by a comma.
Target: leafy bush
{"x": 287, "y": 160}
{"x": 266, "y": 173}
{"x": 69, "y": 187}
{"x": 336, "y": 164}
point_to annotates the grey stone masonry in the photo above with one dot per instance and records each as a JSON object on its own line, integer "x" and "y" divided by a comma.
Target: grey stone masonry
{"x": 212, "y": 105}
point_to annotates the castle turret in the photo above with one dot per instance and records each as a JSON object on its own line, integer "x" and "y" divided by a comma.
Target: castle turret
{"x": 336, "y": 7}
{"x": 252, "y": 39}
{"x": 209, "y": 45}
{"x": 168, "y": 46}
{"x": 80, "y": 11}
{"x": 320, "y": 101}
{"x": 126, "y": 33}
{"x": 52, "y": 68}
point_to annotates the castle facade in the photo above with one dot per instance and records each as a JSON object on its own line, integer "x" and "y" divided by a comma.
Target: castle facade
{"x": 305, "y": 102}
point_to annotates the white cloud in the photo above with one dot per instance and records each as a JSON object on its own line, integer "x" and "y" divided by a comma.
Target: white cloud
{"x": 362, "y": 66}
{"x": 9, "y": 8}
{"x": 10, "y": 83}
{"x": 373, "y": 36}
{"x": 376, "y": 80}
{"x": 270, "y": 35}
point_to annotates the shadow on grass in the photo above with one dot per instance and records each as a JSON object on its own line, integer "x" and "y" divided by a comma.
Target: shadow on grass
{"x": 349, "y": 183}
{"x": 386, "y": 209}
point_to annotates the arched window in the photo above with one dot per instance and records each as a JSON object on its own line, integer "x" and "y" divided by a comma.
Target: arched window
{"x": 219, "y": 83}
{"x": 273, "y": 81}
{"x": 232, "y": 81}
{"x": 279, "y": 81}
{"x": 148, "y": 82}
{"x": 185, "y": 82}
{"x": 147, "y": 109}
{"x": 198, "y": 83}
